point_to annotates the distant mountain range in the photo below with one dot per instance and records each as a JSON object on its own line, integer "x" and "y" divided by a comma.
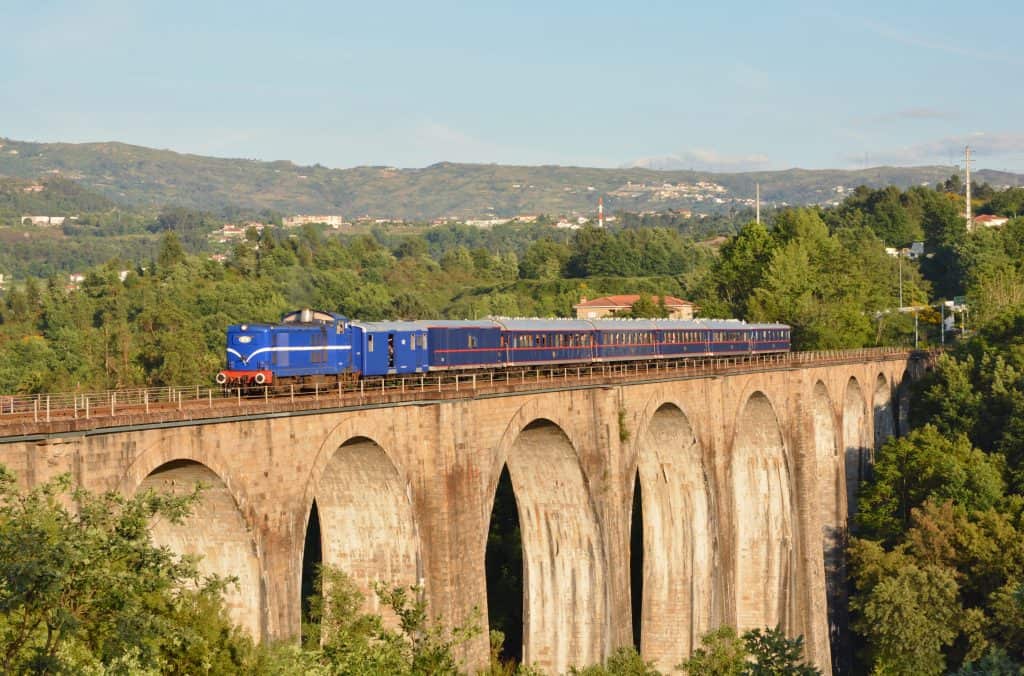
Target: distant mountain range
{"x": 149, "y": 178}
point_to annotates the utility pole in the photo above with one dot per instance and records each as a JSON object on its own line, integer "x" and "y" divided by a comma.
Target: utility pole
{"x": 757, "y": 203}
{"x": 967, "y": 168}
{"x": 942, "y": 323}
{"x": 899, "y": 258}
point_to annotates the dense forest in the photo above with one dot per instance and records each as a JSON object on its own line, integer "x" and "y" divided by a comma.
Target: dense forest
{"x": 159, "y": 319}
{"x": 936, "y": 553}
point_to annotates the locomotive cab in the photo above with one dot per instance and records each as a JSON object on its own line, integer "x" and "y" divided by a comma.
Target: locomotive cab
{"x": 248, "y": 356}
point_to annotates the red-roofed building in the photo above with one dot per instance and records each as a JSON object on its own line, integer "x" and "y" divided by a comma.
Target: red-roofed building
{"x": 991, "y": 220}
{"x": 611, "y": 305}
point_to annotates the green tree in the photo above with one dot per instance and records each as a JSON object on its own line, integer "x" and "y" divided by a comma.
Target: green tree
{"x": 595, "y": 253}
{"x": 774, "y": 654}
{"x": 721, "y": 653}
{"x": 85, "y": 588}
{"x": 171, "y": 252}
{"x": 341, "y": 638}
{"x": 759, "y": 652}
{"x": 740, "y": 268}
{"x": 907, "y": 611}
{"x": 623, "y": 662}
{"x": 925, "y": 465}
{"x": 544, "y": 259}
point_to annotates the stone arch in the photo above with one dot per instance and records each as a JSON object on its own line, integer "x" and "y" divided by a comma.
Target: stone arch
{"x": 855, "y": 444}
{"x": 367, "y": 525}
{"x": 564, "y": 572}
{"x": 883, "y": 413}
{"x": 678, "y": 538}
{"x": 764, "y": 551}
{"x": 217, "y": 532}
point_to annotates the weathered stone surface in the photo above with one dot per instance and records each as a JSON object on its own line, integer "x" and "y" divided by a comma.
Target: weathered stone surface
{"x": 741, "y": 478}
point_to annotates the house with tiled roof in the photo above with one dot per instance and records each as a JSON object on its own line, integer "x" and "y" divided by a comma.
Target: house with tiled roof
{"x": 607, "y": 306}
{"x": 991, "y": 220}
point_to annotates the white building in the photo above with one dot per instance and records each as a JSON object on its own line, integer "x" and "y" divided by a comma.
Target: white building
{"x": 335, "y": 221}
{"x": 43, "y": 221}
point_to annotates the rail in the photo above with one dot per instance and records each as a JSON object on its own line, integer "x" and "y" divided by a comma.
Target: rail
{"x": 86, "y": 410}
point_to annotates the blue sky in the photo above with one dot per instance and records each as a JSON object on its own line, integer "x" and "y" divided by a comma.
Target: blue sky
{"x": 721, "y": 86}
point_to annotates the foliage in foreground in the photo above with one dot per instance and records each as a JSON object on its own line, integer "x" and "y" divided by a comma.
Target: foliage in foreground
{"x": 84, "y": 590}
{"x": 757, "y": 653}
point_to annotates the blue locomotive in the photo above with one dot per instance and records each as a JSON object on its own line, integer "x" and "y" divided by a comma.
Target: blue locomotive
{"x": 310, "y": 346}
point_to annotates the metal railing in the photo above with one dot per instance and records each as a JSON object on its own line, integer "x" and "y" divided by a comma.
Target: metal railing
{"x": 192, "y": 400}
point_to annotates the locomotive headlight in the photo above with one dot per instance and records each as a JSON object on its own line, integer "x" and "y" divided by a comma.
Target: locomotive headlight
{"x": 244, "y": 339}
{"x": 244, "y": 327}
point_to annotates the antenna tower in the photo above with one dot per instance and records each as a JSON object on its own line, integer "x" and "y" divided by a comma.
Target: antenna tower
{"x": 757, "y": 203}
{"x": 600, "y": 212}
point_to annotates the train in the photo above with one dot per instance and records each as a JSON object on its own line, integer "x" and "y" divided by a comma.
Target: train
{"x": 311, "y": 346}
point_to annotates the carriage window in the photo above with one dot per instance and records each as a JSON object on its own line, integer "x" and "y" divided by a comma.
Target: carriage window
{"x": 472, "y": 341}
{"x": 369, "y": 343}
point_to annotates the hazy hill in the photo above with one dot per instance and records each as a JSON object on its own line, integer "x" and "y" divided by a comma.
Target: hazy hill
{"x": 145, "y": 177}
{"x": 50, "y": 196}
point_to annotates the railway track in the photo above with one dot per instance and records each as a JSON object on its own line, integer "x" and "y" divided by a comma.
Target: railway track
{"x": 22, "y": 415}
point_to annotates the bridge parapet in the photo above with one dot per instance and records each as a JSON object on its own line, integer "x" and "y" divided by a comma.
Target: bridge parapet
{"x": 26, "y": 415}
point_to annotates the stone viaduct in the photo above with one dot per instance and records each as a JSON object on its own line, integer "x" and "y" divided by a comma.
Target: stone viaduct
{"x": 746, "y": 481}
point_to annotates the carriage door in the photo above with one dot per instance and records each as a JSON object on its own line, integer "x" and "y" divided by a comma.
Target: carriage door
{"x": 391, "y": 350}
